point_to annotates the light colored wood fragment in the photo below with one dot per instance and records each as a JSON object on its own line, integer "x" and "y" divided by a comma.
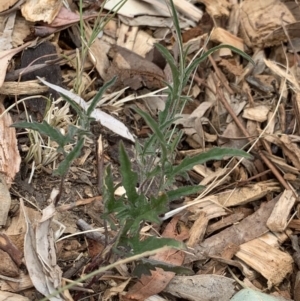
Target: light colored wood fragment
{"x": 202, "y": 170}
{"x": 280, "y": 162}
{"x": 198, "y": 230}
{"x": 9, "y": 154}
{"x": 275, "y": 239}
{"x": 183, "y": 6}
{"x": 258, "y": 113}
{"x": 192, "y": 45}
{"x": 111, "y": 28}
{"x": 98, "y": 54}
{"x": 295, "y": 224}
{"x": 150, "y": 21}
{"x": 249, "y": 228}
{"x": 126, "y": 36}
{"x": 291, "y": 150}
{"x": 32, "y": 87}
{"x": 218, "y": 174}
{"x": 278, "y": 71}
{"x": 216, "y": 8}
{"x": 297, "y": 105}
{"x": 11, "y": 296}
{"x": 188, "y": 9}
{"x": 134, "y": 8}
{"x": 143, "y": 43}
{"x": 210, "y": 206}
{"x": 250, "y": 193}
{"x": 260, "y": 18}
{"x": 42, "y": 10}
{"x": 270, "y": 262}
{"x": 280, "y": 214}
{"x": 5, "y": 200}
{"x": 5, "y": 5}
{"x": 225, "y": 222}
{"x": 24, "y": 283}
{"x": 220, "y": 35}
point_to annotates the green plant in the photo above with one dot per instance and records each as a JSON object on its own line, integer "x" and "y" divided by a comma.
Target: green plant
{"x": 75, "y": 134}
{"x": 150, "y": 189}
{"x": 88, "y": 38}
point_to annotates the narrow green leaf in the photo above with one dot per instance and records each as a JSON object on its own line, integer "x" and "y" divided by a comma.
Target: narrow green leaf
{"x": 129, "y": 177}
{"x": 155, "y": 207}
{"x": 145, "y": 266}
{"x": 176, "y": 22}
{"x": 65, "y": 164}
{"x": 157, "y": 132}
{"x": 76, "y": 107}
{"x": 183, "y": 191}
{"x": 175, "y": 142}
{"x": 174, "y": 69}
{"x": 153, "y": 243}
{"x": 214, "y": 154}
{"x": 108, "y": 191}
{"x": 98, "y": 96}
{"x": 197, "y": 61}
{"x": 46, "y": 129}
{"x": 163, "y": 115}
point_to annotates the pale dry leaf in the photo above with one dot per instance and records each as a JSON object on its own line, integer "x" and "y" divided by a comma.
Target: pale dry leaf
{"x": 6, "y": 33}
{"x": 260, "y": 19}
{"x": 257, "y": 113}
{"x": 105, "y": 119}
{"x": 45, "y": 248}
{"x": 202, "y": 287}
{"x": 5, "y": 5}
{"x": 21, "y": 31}
{"x": 34, "y": 266}
{"x": 41, "y": 10}
{"x": 134, "y": 8}
{"x": 5, "y": 57}
{"x": 183, "y": 6}
{"x": 115, "y": 290}
{"x": 67, "y": 17}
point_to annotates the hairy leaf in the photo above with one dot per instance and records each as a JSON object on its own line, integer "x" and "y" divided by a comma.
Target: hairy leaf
{"x": 152, "y": 243}
{"x": 145, "y": 266}
{"x": 213, "y": 154}
{"x": 183, "y": 191}
{"x": 129, "y": 177}
{"x": 157, "y": 132}
{"x": 197, "y": 61}
{"x": 45, "y": 128}
{"x": 98, "y": 96}
{"x": 65, "y": 164}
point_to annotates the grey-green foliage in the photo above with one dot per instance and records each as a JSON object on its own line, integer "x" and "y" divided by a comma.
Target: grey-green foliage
{"x": 150, "y": 189}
